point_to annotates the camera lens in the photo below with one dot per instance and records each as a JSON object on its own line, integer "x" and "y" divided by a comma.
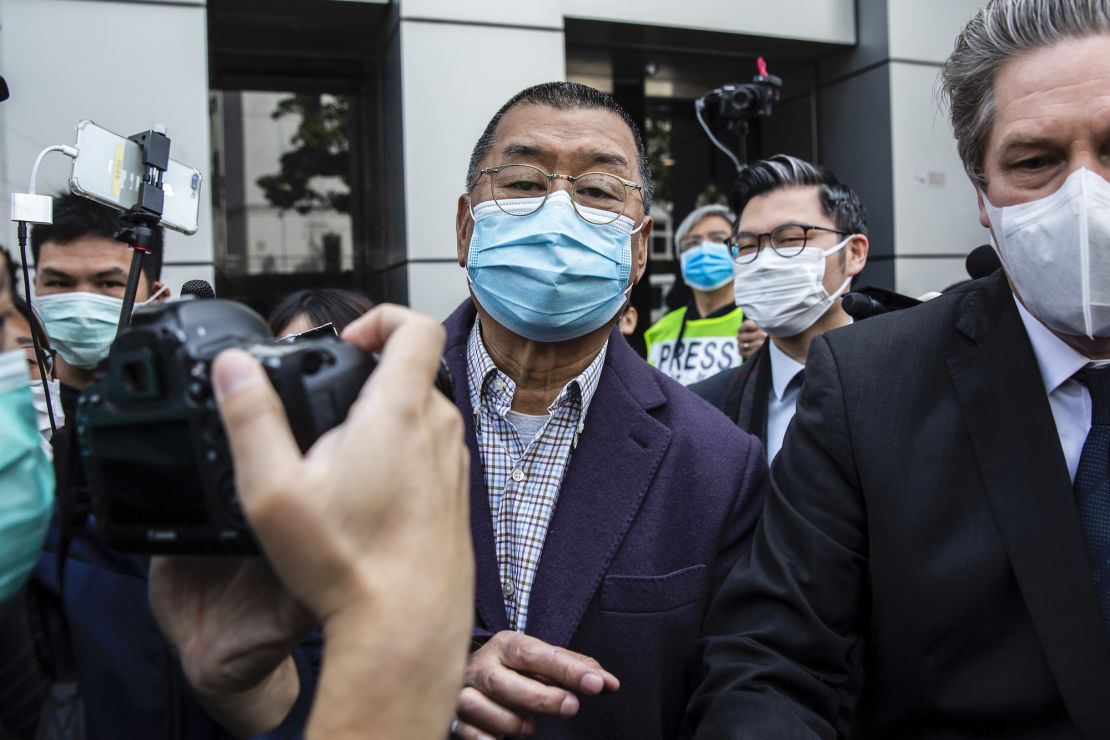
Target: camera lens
{"x": 742, "y": 99}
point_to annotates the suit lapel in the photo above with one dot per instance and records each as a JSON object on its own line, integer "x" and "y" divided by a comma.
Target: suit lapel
{"x": 609, "y": 473}
{"x": 489, "y": 603}
{"x": 1013, "y": 434}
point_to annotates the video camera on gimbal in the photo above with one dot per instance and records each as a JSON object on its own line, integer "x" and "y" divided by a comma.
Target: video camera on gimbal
{"x": 737, "y": 105}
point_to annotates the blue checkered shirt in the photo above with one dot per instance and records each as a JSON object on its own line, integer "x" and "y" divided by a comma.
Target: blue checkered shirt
{"x": 523, "y": 476}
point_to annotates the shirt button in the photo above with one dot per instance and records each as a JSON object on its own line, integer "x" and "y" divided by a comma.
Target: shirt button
{"x": 518, "y": 475}
{"x": 508, "y": 588}
{"x": 498, "y": 386}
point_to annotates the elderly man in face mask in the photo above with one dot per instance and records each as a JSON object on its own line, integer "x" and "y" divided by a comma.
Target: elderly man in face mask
{"x": 602, "y": 522}
{"x": 709, "y": 334}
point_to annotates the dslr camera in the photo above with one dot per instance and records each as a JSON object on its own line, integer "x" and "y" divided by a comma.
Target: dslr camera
{"x": 150, "y": 434}
{"x": 739, "y": 103}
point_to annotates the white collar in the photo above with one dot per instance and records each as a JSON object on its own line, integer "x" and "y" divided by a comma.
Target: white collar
{"x": 1057, "y": 361}
{"x": 783, "y": 369}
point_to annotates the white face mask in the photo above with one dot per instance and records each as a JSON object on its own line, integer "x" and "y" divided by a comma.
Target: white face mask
{"x": 785, "y": 296}
{"x": 1056, "y": 251}
{"x": 39, "y": 397}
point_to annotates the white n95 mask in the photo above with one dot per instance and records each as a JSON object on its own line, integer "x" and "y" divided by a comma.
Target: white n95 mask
{"x": 785, "y": 296}
{"x": 1056, "y": 251}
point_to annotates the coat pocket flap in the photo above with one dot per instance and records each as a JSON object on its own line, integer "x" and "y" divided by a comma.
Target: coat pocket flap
{"x": 639, "y": 594}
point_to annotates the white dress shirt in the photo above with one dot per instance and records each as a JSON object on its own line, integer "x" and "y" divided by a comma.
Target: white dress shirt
{"x": 1069, "y": 399}
{"x": 783, "y": 399}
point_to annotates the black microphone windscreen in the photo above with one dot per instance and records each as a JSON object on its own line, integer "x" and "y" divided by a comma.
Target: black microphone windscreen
{"x": 198, "y": 288}
{"x": 982, "y": 261}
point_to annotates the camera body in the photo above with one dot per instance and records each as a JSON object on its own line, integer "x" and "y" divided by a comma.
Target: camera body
{"x": 151, "y": 438}
{"x": 742, "y": 102}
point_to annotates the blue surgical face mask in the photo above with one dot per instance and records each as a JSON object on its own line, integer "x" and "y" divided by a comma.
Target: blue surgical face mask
{"x": 707, "y": 266}
{"x": 549, "y": 276}
{"x": 26, "y": 477}
{"x": 81, "y": 326}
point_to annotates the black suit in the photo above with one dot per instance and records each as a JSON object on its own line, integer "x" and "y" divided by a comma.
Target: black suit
{"x": 919, "y": 570}
{"x": 742, "y": 392}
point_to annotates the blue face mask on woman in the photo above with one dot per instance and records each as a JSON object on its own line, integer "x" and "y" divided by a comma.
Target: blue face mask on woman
{"x": 26, "y": 477}
{"x": 549, "y": 276}
{"x": 707, "y": 266}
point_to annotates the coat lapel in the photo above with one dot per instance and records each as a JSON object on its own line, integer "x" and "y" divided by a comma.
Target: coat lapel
{"x": 755, "y": 395}
{"x": 1013, "y": 434}
{"x": 489, "y": 603}
{"x": 609, "y": 473}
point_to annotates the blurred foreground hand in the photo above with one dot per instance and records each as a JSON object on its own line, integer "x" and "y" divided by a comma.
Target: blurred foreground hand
{"x": 367, "y": 535}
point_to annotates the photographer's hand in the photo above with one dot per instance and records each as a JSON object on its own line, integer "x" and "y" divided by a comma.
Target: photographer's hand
{"x": 369, "y": 531}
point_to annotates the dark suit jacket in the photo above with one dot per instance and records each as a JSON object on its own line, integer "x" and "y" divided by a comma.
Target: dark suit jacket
{"x": 658, "y": 501}
{"x": 919, "y": 570}
{"x": 741, "y": 393}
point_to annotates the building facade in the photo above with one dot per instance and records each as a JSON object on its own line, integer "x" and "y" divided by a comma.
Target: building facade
{"x": 333, "y": 135}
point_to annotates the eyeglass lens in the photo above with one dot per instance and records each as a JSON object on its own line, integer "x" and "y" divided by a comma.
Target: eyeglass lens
{"x": 594, "y": 190}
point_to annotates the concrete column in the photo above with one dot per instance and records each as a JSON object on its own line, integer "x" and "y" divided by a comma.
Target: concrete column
{"x": 459, "y": 63}
{"x": 883, "y": 131}
{"x": 66, "y": 60}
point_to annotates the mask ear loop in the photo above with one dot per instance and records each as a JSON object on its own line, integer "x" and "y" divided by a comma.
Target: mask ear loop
{"x": 150, "y": 300}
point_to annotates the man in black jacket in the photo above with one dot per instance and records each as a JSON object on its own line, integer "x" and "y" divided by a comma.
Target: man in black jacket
{"x": 800, "y": 239}
{"x": 934, "y": 560}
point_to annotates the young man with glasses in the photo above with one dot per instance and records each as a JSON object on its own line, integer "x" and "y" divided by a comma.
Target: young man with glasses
{"x": 800, "y": 239}
{"x": 709, "y": 334}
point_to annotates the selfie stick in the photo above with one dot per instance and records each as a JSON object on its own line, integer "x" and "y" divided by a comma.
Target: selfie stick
{"x": 143, "y": 217}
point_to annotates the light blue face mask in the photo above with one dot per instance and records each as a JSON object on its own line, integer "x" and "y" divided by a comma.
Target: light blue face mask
{"x": 549, "y": 276}
{"x": 707, "y": 266}
{"x": 81, "y": 326}
{"x": 26, "y": 477}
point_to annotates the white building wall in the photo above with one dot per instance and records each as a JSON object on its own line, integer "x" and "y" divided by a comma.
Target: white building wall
{"x": 936, "y": 220}
{"x": 462, "y": 61}
{"x": 459, "y": 62}
{"x": 66, "y": 60}
{"x": 457, "y": 69}
{"x": 831, "y": 21}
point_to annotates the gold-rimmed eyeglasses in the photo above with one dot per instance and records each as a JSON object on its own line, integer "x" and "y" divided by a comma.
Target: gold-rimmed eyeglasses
{"x": 598, "y": 197}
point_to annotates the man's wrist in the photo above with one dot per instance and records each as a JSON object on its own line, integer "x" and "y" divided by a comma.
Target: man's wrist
{"x": 373, "y": 656}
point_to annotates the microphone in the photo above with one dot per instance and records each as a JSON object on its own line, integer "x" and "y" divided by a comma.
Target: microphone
{"x": 860, "y": 306}
{"x": 198, "y": 289}
{"x": 863, "y": 303}
{"x": 982, "y": 261}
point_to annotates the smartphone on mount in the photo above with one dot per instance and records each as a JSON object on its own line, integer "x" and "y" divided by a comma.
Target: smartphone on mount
{"x": 108, "y": 168}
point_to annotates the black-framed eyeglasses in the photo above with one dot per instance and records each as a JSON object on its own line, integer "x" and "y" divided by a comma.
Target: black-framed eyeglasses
{"x": 787, "y": 240}
{"x": 599, "y": 197}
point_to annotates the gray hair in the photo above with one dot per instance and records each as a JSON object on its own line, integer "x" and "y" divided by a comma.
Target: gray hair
{"x": 698, "y": 215}
{"x": 1000, "y": 31}
{"x": 563, "y": 96}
